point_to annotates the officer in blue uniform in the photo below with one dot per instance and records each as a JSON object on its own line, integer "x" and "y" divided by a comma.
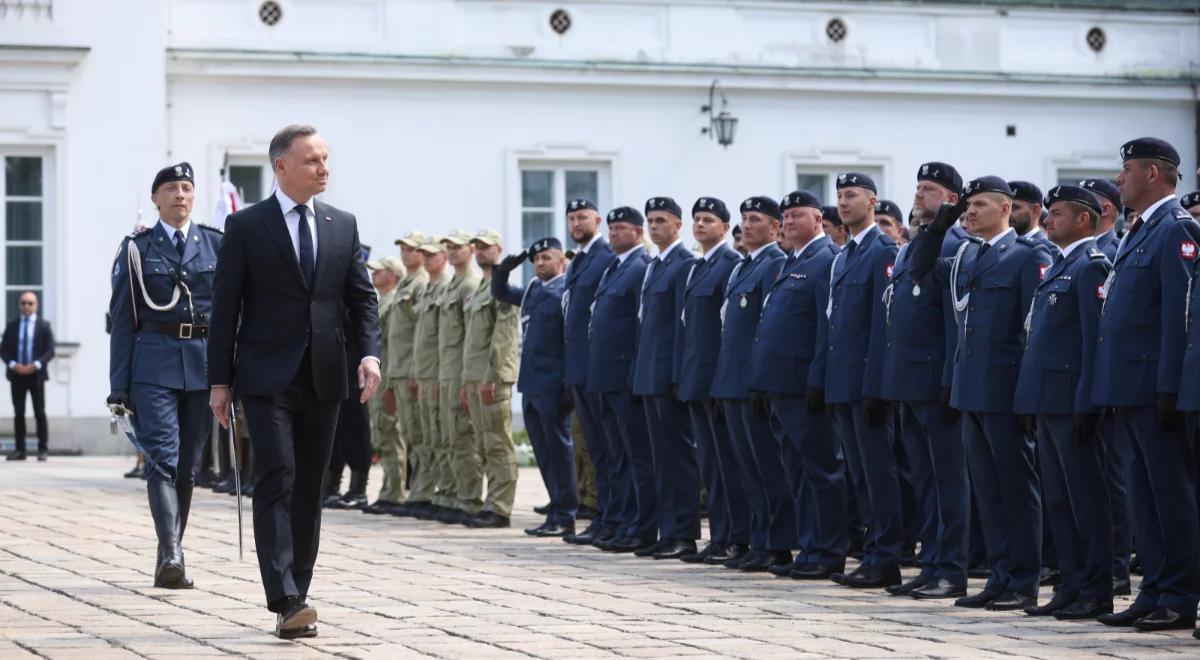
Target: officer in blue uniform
{"x": 676, "y": 472}
{"x": 161, "y": 299}
{"x": 756, "y": 454}
{"x": 788, "y": 352}
{"x": 697, "y": 345}
{"x": 545, "y": 404}
{"x": 1055, "y": 385}
{"x": 1137, "y": 371}
{"x": 1108, "y": 196}
{"x": 611, "y": 350}
{"x": 1191, "y": 203}
{"x": 921, "y": 331}
{"x": 583, "y": 275}
{"x": 992, "y": 281}
{"x": 1028, "y": 212}
{"x": 852, "y": 380}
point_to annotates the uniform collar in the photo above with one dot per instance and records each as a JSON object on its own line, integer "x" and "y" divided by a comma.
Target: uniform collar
{"x": 663, "y": 254}
{"x": 1149, "y": 212}
{"x": 186, "y": 228}
{"x": 288, "y": 204}
{"x": 814, "y": 239}
{"x": 862, "y": 235}
{"x": 715, "y": 249}
{"x": 754, "y": 254}
{"x": 999, "y": 237}
{"x": 583, "y": 249}
{"x": 1066, "y": 252}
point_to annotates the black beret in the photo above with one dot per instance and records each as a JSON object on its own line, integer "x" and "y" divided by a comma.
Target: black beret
{"x": 1026, "y": 192}
{"x": 711, "y": 205}
{"x": 1149, "y": 147}
{"x": 580, "y": 204}
{"x": 1191, "y": 199}
{"x": 988, "y": 184}
{"x": 830, "y": 213}
{"x": 888, "y": 207}
{"x": 663, "y": 204}
{"x": 761, "y": 204}
{"x": 626, "y": 214}
{"x": 856, "y": 180}
{"x": 550, "y": 243}
{"x": 942, "y": 174}
{"x": 1105, "y": 188}
{"x": 1072, "y": 194}
{"x": 180, "y": 172}
{"x": 799, "y": 199}
{"x": 737, "y": 231}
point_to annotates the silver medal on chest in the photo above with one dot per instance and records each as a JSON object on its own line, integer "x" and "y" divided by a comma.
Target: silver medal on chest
{"x": 916, "y": 290}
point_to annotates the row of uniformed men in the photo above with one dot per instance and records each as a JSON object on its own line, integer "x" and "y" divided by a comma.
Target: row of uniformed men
{"x": 1017, "y": 371}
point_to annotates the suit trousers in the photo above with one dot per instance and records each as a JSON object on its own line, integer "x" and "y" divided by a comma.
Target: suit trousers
{"x": 630, "y": 465}
{"x": 588, "y": 410}
{"x": 676, "y": 472}
{"x": 728, "y": 512}
{"x": 872, "y": 466}
{"x": 554, "y": 449}
{"x": 818, "y": 464}
{"x": 292, "y": 434}
{"x": 171, "y": 428}
{"x": 760, "y": 467}
{"x": 1115, "y": 447}
{"x": 36, "y": 388}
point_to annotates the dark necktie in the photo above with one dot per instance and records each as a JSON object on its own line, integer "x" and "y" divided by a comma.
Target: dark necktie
{"x": 180, "y": 242}
{"x": 983, "y": 249}
{"x": 578, "y": 261}
{"x": 27, "y": 345}
{"x": 1137, "y": 224}
{"x": 696, "y": 268}
{"x": 308, "y": 265}
{"x": 1058, "y": 256}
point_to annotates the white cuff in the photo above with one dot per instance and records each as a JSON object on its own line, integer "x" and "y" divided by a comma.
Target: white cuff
{"x": 37, "y": 364}
{"x": 370, "y": 357}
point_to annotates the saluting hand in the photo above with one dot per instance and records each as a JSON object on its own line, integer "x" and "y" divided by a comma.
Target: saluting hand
{"x": 507, "y": 264}
{"x": 368, "y": 379}
{"x": 947, "y": 215}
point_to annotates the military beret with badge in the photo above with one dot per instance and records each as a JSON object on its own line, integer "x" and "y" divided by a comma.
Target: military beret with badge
{"x": 664, "y": 204}
{"x": 830, "y": 214}
{"x": 1026, "y": 192}
{"x": 1072, "y": 194}
{"x": 799, "y": 199}
{"x": 856, "y": 180}
{"x": 580, "y": 204}
{"x": 180, "y": 172}
{"x": 711, "y": 205}
{"x": 626, "y": 214}
{"x": 1189, "y": 200}
{"x": 988, "y": 184}
{"x": 942, "y": 174}
{"x": 1148, "y": 147}
{"x": 1104, "y": 188}
{"x": 889, "y": 208}
{"x": 762, "y": 204}
{"x": 548, "y": 243}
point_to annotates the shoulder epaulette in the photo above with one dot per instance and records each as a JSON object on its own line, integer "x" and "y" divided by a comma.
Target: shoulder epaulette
{"x": 1183, "y": 215}
{"x": 1028, "y": 240}
{"x": 1095, "y": 253}
{"x": 209, "y": 227}
{"x": 884, "y": 239}
{"x": 141, "y": 232}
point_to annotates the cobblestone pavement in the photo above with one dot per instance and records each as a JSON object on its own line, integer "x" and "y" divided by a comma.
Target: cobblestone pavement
{"x": 76, "y": 552}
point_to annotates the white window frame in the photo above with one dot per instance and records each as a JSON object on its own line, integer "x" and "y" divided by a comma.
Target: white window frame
{"x": 49, "y": 196}
{"x": 266, "y": 175}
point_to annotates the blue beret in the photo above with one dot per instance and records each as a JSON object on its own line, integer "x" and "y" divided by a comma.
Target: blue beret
{"x": 1149, "y": 147}
{"x": 888, "y": 207}
{"x": 1105, "y": 188}
{"x": 830, "y": 213}
{"x": 1189, "y": 200}
{"x": 1026, "y": 192}
{"x": 581, "y": 203}
{"x": 711, "y": 205}
{"x": 626, "y": 214}
{"x": 1072, "y": 194}
{"x": 988, "y": 184}
{"x": 550, "y": 243}
{"x": 663, "y": 204}
{"x": 761, "y": 204}
{"x": 856, "y": 180}
{"x": 180, "y": 172}
{"x": 942, "y": 174}
{"x": 798, "y": 199}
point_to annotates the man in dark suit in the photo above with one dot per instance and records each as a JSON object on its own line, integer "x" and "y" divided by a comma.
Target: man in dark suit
{"x": 287, "y": 269}
{"x": 27, "y": 347}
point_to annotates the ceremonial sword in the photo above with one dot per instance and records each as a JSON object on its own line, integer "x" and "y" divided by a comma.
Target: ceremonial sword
{"x": 234, "y": 439}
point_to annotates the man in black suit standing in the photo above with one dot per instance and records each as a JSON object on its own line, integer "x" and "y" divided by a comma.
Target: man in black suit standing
{"x": 287, "y": 271}
{"x": 27, "y": 347}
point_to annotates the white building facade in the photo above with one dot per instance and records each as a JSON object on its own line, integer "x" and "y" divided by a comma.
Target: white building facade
{"x": 446, "y": 114}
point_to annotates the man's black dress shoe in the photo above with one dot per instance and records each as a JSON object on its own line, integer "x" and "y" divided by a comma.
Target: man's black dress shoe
{"x": 330, "y": 502}
{"x": 408, "y": 509}
{"x": 586, "y": 536}
{"x": 295, "y": 620}
{"x": 1050, "y": 577}
{"x": 736, "y": 562}
{"x": 676, "y": 550}
{"x": 1164, "y": 618}
{"x": 1122, "y": 586}
{"x": 939, "y": 588}
{"x": 488, "y": 520}
{"x": 1059, "y": 601}
{"x": 627, "y": 544}
{"x": 908, "y": 587}
{"x": 766, "y": 560}
{"x": 785, "y": 570}
{"x": 549, "y": 529}
{"x": 813, "y": 571}
{"x": 1084, "y": 608}
{"x": 1010, "y": 600}
{"x": 430, "y": 512}
{"x": 138, "y": 470}
{"x": 649, "y": 552}
{"x": 42, "y": 456}
{"x": 451, "y": 516}
{"x": 978, "y": 600}
{"x": 304, "y": 632}
{"x": 380, "y": 507}
{"x": 1123, "y": 619}
{"x": 15, "y": 456}
{"x": 1196, "y": 633}
{"x": 732, "y": 551}
{"x": 585, "y": 512}
{"x": 542, "y": 510}
{"x": 869, "y": 577}
{"x": 698, "y": 557}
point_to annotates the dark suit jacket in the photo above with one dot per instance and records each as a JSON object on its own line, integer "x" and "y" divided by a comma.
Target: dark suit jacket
{"x": 614, "y": 327}
{"x": 698, "y": 332}
{"x": 583, "y": 276}
{"x": 264, "y": 316}
{"x": 43, "y": 346}
{"x": 660, "y": 307}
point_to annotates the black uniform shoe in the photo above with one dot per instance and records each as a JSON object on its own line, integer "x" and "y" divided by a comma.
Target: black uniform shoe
{"x": 1084, "y": 608}
{"x": 451, "y": 516}
{"x": 676, "y": 550}
{"x": 1060, "y": 600}
{"x": 1164, "y": 618}
{"x": 588, "y": 535}
{"x": 709, "y": 550}
{"x": 1122, "y": 586}
{"x": 542, "y": 510}
{"x": 649, "y": 552}
{"x": 1050, "y": 577}
{"x": 548, "y": 529}
{"x": 296, "y": 620}
{"x": 869, "y": 577}
{"x": 1196, "y": 633}
{"x": 736, "y": 562}
{"x": 813, "y": 571}
{"x": 488, "y": 520}
{"x": 785, "y": 570}
{"x": 349, "y": 500}
{"x": 15, "y": 456}
{"x": 1123, "y": 619}
{"x": 908, "y": 587}
{"x": 978, "y": 600}
{"x": 408, "y": 509}
{"x": 1010, "y": 600}
{"x": 42, "y": 456}
{"x": 137, "y": 472}
{"x": 938, "y": 588}
{"x": 430, "y": 512}
{"x": 164, "y": 510}
{"x": 732, "y": 551}
{"x": 766, "y": 560}
{"x": 584, "y": 512}
{"x": 627, "y": 544}
{"x": 380, "y": 507}
{"x": 330, "y": 502}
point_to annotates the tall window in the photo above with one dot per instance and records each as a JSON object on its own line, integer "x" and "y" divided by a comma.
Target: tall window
{"x": 23, "y": 220}
{"x": 821, "y": 180}
{"x": 545, "y": 190}
{"x": 252, "y": 179}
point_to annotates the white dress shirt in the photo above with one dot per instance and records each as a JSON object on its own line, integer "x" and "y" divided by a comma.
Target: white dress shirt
{"x": 292, "y": 219}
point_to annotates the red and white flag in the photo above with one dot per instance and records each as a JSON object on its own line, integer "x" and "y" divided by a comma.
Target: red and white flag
{"x": 229, "y": 202}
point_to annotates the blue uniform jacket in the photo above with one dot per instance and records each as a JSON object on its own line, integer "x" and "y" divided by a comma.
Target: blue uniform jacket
{"x": 1142, "y": 331}
{"x": 789, "y": 345}
{"x": 857, "y": 319}
{"x": 698, "y": 333}
{"x": 1107, "y": 243}
{"x": 614, "y": 328}
{"x": 744, "y": 292}
{"x": 142, "y": 356}
{"x": 653, "y": 370}
{"x": 542, "y": 347}
{"x": 1056, "y": 370}
{"x": 991, "y": 329}
{"x": 583, "y": 276}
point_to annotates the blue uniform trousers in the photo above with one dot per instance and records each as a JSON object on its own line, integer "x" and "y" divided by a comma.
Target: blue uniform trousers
{"x": 728, "y": 510}
{"x": 587, "y": 408}
{"x": 550, "y": 436}
{"x": 934, "y": 449}
{"x": 872, "y": 465}
{"x": 814, "y": 455}
{"x": 676, "y": 473}
{"x": 171, "y": 428}
{"x": 1160, "y": 472}
{"x": 631, "y": 465}
{"x": 1114, "y": 449}
{"x": 1005, "y": 482}
{"x": 760, "y": 467}
{"x": 793, "y": 465}
{"x": 1072, "y": 481}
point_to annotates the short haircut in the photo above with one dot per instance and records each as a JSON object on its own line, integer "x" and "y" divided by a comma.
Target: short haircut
{"x": 282, "y": 142}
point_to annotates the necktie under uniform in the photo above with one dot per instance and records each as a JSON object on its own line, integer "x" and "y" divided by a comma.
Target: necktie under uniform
{"x": 180, "y": 241}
